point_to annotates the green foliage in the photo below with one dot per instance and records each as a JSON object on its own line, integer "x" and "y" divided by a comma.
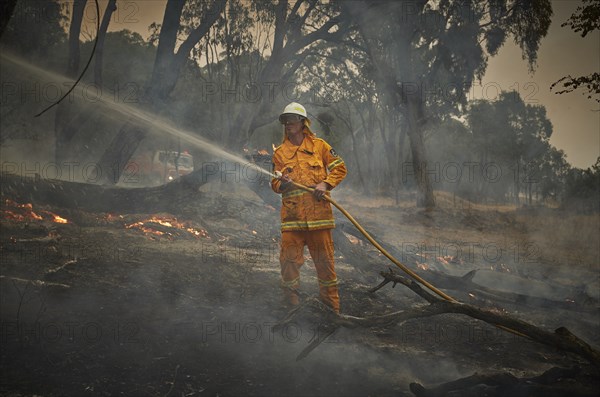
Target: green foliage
{"x": 583, "y": 189}
{"x": 128, "y": 60}
{"x": 529, "y": 23}
{"x": 516, "y": 136}
{"x": 439, "y": 47}
{"x": 494, "y": 39}
{"x": 36, "y": 28}
{"x": 590, "y": 83}
{"x": 586, "y": 18}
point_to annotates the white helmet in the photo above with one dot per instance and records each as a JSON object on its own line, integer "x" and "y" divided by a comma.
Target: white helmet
{"x": 295, "y": 108}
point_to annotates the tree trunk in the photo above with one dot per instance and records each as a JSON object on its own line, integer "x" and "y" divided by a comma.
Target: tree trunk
{"x": 119, "y": 151}
{"x": 63, "y": 113}
{"x": 516, "y": 185}
{"x": 167, "y": 67}
{"x": 425, "y": 196}
{"x": 110, "y": 8}
{"x": 356, "y": 151}
{"x": 400, "y": 162}
{"x": 6, "y": 11}
{"x": 162, "y": 71}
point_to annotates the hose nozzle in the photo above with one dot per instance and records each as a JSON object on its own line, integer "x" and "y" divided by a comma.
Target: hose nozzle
{"x": 278, "y": 174}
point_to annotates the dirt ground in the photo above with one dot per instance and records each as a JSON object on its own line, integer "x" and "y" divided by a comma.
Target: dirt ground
{"x": 98, "y": 306}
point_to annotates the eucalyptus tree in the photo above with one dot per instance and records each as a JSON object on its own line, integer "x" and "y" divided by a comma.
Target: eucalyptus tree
{"x": 584, "y": 20}
{"x": 427, "y": 54}
{"x": 511, "y": 138}
{"x": 296, "y": 28}
{"x": 171, "y": 56}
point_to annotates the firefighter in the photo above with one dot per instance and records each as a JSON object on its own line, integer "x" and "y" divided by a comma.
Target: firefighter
{"x": 306, "y": 219}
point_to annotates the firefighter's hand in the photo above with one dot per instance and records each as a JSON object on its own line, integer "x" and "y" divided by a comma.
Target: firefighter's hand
{"x": 320, "y": 190}
{"x": 285, "y": 182}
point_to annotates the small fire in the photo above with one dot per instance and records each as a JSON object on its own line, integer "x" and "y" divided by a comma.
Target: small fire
{"x": 263, "y": 152}
{"x": 24, "y": 212}
{"x": 20, "y": 218}
{"x": 422, "y": 266}
{"x": 112, "y": 217}
{"x": 141, "y": 226}
{"x": 152, "y": 227}
{"x": 448, "y": 259}
{"x": 56, "y": 218}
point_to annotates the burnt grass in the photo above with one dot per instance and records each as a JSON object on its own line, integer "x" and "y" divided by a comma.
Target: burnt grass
{"x": 93, "y": 308}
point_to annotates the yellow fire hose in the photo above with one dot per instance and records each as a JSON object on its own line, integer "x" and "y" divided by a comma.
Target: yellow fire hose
{"x": 377, "y": 245}
{"x": 389, "y": 256}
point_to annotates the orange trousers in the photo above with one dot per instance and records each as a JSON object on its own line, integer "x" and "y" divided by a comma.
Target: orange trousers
{"x": 320, "y": 246}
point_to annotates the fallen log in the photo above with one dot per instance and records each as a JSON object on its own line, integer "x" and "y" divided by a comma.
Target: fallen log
{"x": 100, "y": 198}
{"x": 357, "y": 256}
{"x": 561, "y": 338}
{"x": 466, "y": 284}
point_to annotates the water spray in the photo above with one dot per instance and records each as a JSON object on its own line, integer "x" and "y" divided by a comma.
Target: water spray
{"x": 149, "y": 120}
{"x": 154, "y": 122}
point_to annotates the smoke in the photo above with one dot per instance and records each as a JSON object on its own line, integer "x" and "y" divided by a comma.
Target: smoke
{"x": 198, "y": 316}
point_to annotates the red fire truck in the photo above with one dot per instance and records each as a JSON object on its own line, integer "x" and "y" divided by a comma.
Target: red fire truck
{"x": 157, "y": 167}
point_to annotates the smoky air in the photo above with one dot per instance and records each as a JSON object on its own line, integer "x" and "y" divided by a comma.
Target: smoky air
{"x": 300, "y": 198}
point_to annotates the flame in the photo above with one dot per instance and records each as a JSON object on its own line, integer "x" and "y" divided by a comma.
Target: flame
{"x": 196, "y": 232}
{"x": 143, "y": 228}
{"x": 263, "y": 152}
{"x": 422, "y": 266}
{"x": 56, "y": 218}
{"x": 24, "y": 212}
{"x": 146, "y": 226}
{"x": 112, "y": 217}
{"x": 20, "y": 217}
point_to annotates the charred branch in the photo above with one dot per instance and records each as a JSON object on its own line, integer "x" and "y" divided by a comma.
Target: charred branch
{"x": 580, "y": 301}
{"x": 100, "y": 198}
{"x": 465, "y": 283}
{"x": 561, "y": 338}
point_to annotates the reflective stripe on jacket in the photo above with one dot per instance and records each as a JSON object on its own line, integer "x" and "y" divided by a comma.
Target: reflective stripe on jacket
{"x": 312, "y": 162}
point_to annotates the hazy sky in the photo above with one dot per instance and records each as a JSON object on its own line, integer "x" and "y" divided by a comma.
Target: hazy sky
{"x": 576, "y": 119}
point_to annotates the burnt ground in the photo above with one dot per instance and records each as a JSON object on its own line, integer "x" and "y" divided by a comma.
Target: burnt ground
{"x": 92, "y": 307}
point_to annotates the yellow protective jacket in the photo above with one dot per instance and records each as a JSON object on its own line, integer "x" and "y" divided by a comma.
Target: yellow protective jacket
{"x": 312, "y": 162}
